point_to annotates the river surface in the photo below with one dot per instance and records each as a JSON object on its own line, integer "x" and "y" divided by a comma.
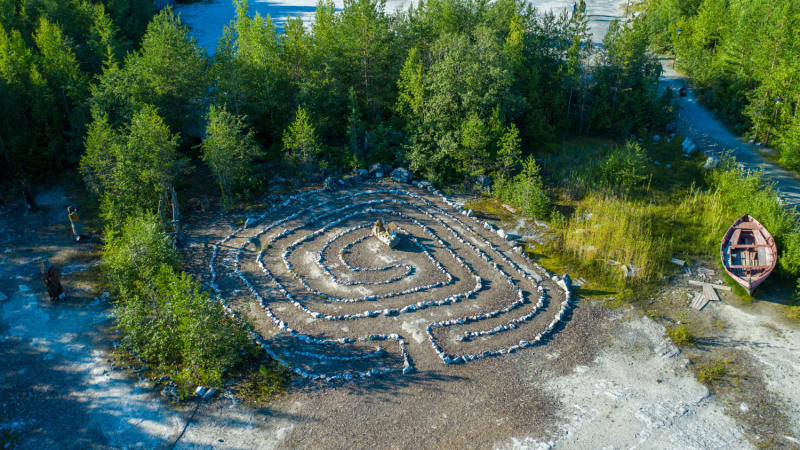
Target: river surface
{"x": 207, "y": 19}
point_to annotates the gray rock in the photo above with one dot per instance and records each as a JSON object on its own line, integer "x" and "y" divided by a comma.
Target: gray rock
{"x": 249, "y": 221}
{"x": 374, "y": 168}
{"x": 363, "y": 172}
{"x": 711, "y": 162}
{"x": 402, "y": 175}
{"x": 567, "y": 281}
{"x": 200, "y": 390}
{"x": 689, "y": 146}
{"x": 378, "y": 174}
{"x": 170, "y": 392}
{"x": 484, "y": 181}
{"x": 210, "y": 393}
{"x": 330, "y": 184}
{"x": 656, "y": 138}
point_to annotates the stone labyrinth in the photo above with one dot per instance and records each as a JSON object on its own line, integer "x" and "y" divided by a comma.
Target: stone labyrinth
{"x": 329, "y": 301}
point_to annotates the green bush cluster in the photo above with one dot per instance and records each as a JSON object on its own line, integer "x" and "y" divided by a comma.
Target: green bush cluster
{"x": 680, "y": 335}
{"x": 163, "y": 314}
{"x": 525, "y": 190}
{"x": 709, "y": 373}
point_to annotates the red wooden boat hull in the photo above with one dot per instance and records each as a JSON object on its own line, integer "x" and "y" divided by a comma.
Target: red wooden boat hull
{"x": 748, "y": 252}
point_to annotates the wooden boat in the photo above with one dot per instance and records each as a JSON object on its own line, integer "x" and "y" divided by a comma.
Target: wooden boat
{"x": 748, "y": 252}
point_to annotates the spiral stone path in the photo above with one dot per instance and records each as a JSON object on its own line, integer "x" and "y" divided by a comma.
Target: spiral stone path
{"x": 331, "y": 302}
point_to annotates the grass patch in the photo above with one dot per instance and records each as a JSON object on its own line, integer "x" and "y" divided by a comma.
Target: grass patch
{"x": 266, "y": 383}
{"x": 626, "y": 220}
{"x": 681, "y": 335}
{"x": 711, "y": 372}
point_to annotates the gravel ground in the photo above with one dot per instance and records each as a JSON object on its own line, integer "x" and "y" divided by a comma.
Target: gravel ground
{"x": 595, "y": 384}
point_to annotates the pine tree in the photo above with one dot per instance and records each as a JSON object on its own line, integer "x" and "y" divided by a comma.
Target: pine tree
{"x": 229, "y": 150}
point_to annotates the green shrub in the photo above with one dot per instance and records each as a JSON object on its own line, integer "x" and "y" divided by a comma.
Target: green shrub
{"x": 680, "y": 335}
{"x": 163, "y": 314}
{"x": 170, "y": 321}
{"x": 712, "y": 372}
{"x": 140, "y": 246}
{"x": 526, "y": 190}
{"x": 625, "y": 166}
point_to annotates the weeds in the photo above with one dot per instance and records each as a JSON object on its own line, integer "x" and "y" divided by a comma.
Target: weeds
{"x": 708, "y": 373}
{"x": 616, "y": 231}
{"x": 268, "y": 382}
{"x": 680, "y": 335}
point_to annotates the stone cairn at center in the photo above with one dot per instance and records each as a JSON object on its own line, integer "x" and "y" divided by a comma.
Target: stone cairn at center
{"x": 386, "y": 234}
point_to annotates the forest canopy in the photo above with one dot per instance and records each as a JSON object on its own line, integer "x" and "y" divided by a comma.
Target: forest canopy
{"x": 436, "y": 86}
{"x": 744, "y": 56}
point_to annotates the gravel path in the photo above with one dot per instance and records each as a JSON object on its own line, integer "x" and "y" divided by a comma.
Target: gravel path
{"x": 713, "y": 138}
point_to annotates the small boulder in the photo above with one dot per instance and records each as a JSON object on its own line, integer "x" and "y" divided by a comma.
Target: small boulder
{"x": 377, "y": 167}
{"x": 402, "y": 175}
{"x": 484, "y": 181}
{"x": 711, "y": 162}
{"x": 510, "y": 208}
{"x": 378, "y": 174}
{"x": 330, "y": 184}
{"x": 656, "y": 138}
{"x": 567, "y": 281}
{"x": 689, "y": 146}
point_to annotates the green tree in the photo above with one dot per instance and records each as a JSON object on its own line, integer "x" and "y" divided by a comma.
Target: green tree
{"x": 526, "y": 190}
{"x": 626, "y": 166}
{"x": 230, "y": 150}
{"x": 510, "y": 151}
{"x": 138, "y": 169}
{"x": 169, "y": 72}
{"x": 474, "y": 142}
{"x": 300, "y": 143}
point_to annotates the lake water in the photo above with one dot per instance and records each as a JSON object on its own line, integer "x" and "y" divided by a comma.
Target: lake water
{"x": 207, "y": 19}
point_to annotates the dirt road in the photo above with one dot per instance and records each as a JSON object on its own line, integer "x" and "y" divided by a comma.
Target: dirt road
{"x": 713, "y": 138}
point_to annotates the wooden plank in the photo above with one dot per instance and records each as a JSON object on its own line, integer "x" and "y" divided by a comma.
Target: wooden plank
{"x": 749, "y": 267}
{"x": 715, "y": 286}
{"x": 735, "y": 247}
{"x": 699, "y": 302}
{"x": 710, "y": 294}
{"x": 679, "y": 262}
{"x": 735, "y": 238}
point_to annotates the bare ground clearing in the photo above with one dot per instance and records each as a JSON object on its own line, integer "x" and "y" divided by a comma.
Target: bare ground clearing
{"x": 605, "y": 379}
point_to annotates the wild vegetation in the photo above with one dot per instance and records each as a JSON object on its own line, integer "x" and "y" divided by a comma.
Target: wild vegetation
{"x": 628, "y": 208}
{"x": 742, "y": 55}
{"x": 453, "y": 89}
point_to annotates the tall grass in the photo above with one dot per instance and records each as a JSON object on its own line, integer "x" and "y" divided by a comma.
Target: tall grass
{"x": 613, "y": 231}
{"x": 687, "y": 211}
